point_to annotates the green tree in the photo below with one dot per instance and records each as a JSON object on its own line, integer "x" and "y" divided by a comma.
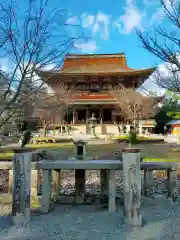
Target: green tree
{"x": 170, "y": 108}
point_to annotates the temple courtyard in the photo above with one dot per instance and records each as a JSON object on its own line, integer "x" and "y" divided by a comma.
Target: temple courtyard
{"x": 84, "y": 222}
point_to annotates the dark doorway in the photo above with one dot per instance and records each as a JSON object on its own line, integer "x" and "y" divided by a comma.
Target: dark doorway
{"x": 68, "y": 117}
{"x": 119, "y": 119}
{"x": 107, "y": 115}
{"x": 82, "y": 115}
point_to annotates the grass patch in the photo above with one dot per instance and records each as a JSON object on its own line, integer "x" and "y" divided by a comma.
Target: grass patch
{"x": 160, "y": 160}
{"x": 138, "y": 137}
{"x": 7, "y": 199}
{"x": 150, "y": 152}
{"x": 7, "y": 152}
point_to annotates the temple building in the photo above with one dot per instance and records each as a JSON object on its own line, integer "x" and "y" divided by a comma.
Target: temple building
{"x": 90, "y": 75}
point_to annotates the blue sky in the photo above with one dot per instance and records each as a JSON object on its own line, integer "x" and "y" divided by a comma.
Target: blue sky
{"x": 110, "y": 26}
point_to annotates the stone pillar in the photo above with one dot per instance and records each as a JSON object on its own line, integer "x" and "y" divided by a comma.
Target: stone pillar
{"x": 132, "y": 186}
{"x": 148, "y": 183}
{"x": 80, "y": 185}
{"x": 21, "y": 186}
{"x": 46, "y": 190}
{"x": 112, "y": 191}
{"x": 56, "y": 178}
{"x": 80, "y": 146}
{"x": 104, "y": 182}
{"x": 171, "y": 184}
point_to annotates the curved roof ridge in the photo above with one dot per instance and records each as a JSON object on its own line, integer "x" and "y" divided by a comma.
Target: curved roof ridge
{"x": 95, "y": 55}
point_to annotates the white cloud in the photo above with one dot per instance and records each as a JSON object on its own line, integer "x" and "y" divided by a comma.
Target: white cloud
{"x": 151, "y": 2}
{"x": 88, "y": 47}
{"x": 98, "y": 23}
{"x": 130, "y": 19}
{"x": 102, "y": 24}
{"x": 72, "y": 20}
{"x": 87, "y": 20}
{"x": 157, "y": 17}
{"x": 6, "y": 65}
{"x": 150, "y": 86}
{"x": 96, "y": 28}
{"x": 163, "y": 72}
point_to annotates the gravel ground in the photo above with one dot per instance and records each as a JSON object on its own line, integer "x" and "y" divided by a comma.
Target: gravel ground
{"x": 161, "y": 217}
{"x": 161, "y": 221}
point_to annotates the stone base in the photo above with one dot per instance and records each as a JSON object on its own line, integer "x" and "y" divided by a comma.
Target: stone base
{"x": 21, "y": 218}
{"x": 136, "y": 222}
{"x": 92, "y": 199}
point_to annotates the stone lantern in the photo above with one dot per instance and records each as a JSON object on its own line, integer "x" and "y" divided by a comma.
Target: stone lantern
{"x": 80, "y": 148}
{"x": 93, "y": 122}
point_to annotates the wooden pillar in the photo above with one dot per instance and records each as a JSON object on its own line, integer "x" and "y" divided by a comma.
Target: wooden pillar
{"x": 87, "y": 113}
{"x": 74, "y": 115}
{"x": 21, "y": 186}
{"x": 171, "y": 184}
{"x": 148, "y": 183}
{"x": 46, "y": 191}
{"x": 100, "y": 114}
{"x": 113, "y": 117}
{"x": 132, "y": 186}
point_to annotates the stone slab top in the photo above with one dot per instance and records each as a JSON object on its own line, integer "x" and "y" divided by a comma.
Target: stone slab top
{"x": 99, "y": 164}
{"x": 80, "y": 164}
{"x": 89, "y": 164}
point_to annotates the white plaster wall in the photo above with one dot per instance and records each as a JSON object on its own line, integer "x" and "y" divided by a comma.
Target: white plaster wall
{"x": 111, "y": 129}
{"x": 80, "y": 128}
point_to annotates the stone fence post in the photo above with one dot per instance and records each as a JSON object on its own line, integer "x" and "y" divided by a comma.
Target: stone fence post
{"x": 21, "y": 186}
{"x": 81, "y": 148}
{"x": 132, "y": 186}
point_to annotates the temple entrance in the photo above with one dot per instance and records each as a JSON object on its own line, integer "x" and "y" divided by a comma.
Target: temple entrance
{"x": 107, "y": 115}
{"x": 119, "y": 119}
{"x": 82, "y": 115}
{"x": 68, "y": 117}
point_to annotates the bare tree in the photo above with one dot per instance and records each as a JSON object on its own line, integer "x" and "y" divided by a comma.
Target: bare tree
{"x": 32, "y": 40}
{"x": 132, "y": 105}
{"x": 164, "y": 43}
{"x": 49, "y": 105}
